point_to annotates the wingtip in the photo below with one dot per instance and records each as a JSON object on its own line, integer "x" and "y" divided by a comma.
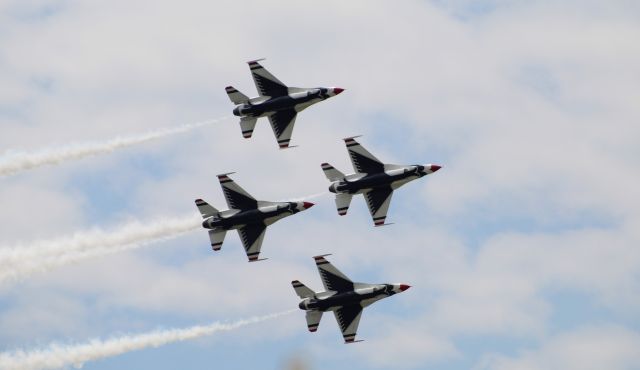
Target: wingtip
{"x": 225, "y": 174}
{"x": 351, "y": 137}
{"x": 257, "y": 259}
{"x": 383, "y": 224}
{"x": 256, "y": 60}
{"x": 322, "y": 255}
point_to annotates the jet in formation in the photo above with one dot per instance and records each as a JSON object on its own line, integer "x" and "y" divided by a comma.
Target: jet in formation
{"x": 342, "y": 296}
{"x": 246, "y": 214}
{"x": 280, "y": 103}
{"x": 374, "y": 179}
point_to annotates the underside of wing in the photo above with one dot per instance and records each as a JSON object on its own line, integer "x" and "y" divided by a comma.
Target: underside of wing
{"x": 236, "y": 197}
{"x": 282, "y": 123}
{"x": 332, "y": 278}
{"x": 378, "y": 201}
{"x": 348, "y": 318}
{"x": 362, "y": 160}
{"x": 266, "y": 83}
{"x": 251, "y": 237}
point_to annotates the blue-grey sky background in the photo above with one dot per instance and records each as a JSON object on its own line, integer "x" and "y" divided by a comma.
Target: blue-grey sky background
{"x": 522, "y": 252}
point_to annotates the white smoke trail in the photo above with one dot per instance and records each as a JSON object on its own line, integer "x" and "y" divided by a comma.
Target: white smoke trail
{"x": 57, "y": 356}
{"x": 307, "y": 197}
{"x": 16, "y": 161}
{"x": 21, "y": 261}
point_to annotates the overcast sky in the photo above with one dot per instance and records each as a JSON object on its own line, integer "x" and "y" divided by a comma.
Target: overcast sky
{"x": 522, "y": 252}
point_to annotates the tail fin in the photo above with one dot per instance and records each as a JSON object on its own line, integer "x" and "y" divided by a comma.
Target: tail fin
{"x": 206, "y": 210}
{"x": 331, "y": 173}
{"x": 236, "y": 96}
{"x": 301, "y": 290}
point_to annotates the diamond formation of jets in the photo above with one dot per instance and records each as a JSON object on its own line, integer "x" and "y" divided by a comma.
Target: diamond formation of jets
{"x": 277, "y": 101}
{"x": 374, "y": 179}
{"x": 344, "y": 297}
{"x": 246, "y": 214}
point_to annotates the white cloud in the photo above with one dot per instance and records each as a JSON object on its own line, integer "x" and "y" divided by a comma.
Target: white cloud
{"x": 531, "y": 109}
{"x": 588, "y": 348}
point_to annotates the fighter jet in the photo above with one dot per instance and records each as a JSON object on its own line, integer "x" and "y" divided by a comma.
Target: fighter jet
{"x": 246, "y": 214}
{"x": 277, "y": 101}
{"x": 342, "y": 296}
{"x": 374, "y": 179}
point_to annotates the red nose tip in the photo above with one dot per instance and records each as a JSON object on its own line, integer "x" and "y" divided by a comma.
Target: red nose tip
{"x": 337, "y": 90}
{"x": 435, "y": 167}
{"x": 404, "y": 287}
{"x": 307, "y": 205}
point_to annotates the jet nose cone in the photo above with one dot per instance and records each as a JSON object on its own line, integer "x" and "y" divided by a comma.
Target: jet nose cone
{"x": 404, "y": 287}
{"x": 435, "y": 167}
{"x": 236, "y": 111}
{"x": 337, "y": 90}
{"x": 307, "y": 205}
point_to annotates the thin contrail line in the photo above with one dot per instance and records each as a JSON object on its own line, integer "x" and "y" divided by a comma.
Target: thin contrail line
{"x": 20, "y": 261}
{"x": 60, "y": 355}
{"x": 15, "y": 161}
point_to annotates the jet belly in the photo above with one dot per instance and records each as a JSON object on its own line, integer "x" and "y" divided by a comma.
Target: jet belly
{"x": 276, "y": 104}
{"x": 363, "y": 184}
{"x": 338, "y": 300}
{"x": 237, "y": 220}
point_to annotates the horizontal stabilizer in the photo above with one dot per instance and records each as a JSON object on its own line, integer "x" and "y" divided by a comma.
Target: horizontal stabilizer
{"x": 206, "y": 210}
{"x": 331, "y": 173}
{"x": 236, "y": 96}
{"x": 302, "y": 290}
{"x": 217, "y": 238}
{"x": 343, "y": 201}
{"x": 247, "y": 125}
{"x": 313, "y": 320}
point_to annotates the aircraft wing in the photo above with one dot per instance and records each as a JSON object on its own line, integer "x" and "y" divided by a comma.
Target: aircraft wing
{"x": 332, "y": 278}
{"x": 236, "y": 197}
{"x": 282, "y": 124}
{"x": 348, "y": 317}
{"x": 361, "y": 159}
{"x": 266, "y": 83}
{"x": 252, "y": 236}
{"x": 378, "y": 201}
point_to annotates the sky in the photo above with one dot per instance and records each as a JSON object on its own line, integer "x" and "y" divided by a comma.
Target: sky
{"x": 522, "y": 251}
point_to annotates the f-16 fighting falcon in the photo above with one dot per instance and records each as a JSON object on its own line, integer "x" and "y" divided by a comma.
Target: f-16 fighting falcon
{"x": 246, "y": 214}
{"x": 342, "y": 296}
{"x": 374, "y": 179}
{"x": 277, "y": 101}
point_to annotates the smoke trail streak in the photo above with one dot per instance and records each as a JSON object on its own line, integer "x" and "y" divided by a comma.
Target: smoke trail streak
{"x": 21, "y": 261}
{"x": 57, "y": 355}
{"x": 16, "y": 161}
{"x": 307, "y": 197}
